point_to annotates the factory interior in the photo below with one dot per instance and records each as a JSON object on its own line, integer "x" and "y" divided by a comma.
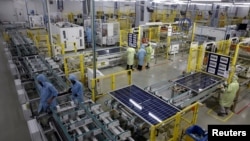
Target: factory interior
{"x": 170, "y": 93}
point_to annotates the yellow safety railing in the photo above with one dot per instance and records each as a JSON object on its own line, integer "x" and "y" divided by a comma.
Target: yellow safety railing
{"x": 173, "y": 127}
{"x": 104, "y": 84}
{"x": 6, "y": 37}
{"x": 192, "y": 58}
{"x": 154, "y": 34}
{"x": 223, "y": 47}
{"x": 42, "y": 42}
{"x": 74, "y": 64}
{"x": 193, "y": 32}
{"x": 198, "y": 57}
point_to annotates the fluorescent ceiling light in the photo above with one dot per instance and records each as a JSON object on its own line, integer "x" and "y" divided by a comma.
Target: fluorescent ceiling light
{"x": 135, "y": 104}
{"x": 206, "y": 0}
{"x": 154, "y": 117}
{"x": 242, "y": 3}
{"x": 200, "y": 3}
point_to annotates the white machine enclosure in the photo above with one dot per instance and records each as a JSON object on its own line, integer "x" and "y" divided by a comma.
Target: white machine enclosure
{"x": 99, "y": 83}
{"x": 36, "y": 21}
{"x": 70, "y": 35}
{"x": 215, "y": 34}
{"x": 109, "y": 34}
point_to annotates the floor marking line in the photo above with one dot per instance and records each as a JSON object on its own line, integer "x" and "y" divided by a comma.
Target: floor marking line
{"x": 209, "y": 112}
{"x": 243, "y": 108}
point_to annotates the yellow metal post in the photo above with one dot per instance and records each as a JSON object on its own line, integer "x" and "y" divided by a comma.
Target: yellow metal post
{"x": 200, "y": 55}
{"x": 93, "y": 85}
{"x": 152, "y": 133}
{"x": 113, "y": 82}
{"x": 177, "y": 126}
{"x": 129, "y": 77}
{"x": 195, "y": 114}
{"x": 228, "y": 45}
{"x": 120, "y": 42}
{"x": 233, "y": 65}
{"x": 193, "y": 32}
{"x": 66, "y": 70}
{"x": 159, "y": 34}
{"x": 82, "y": 68}
{"x": 168, "y": 45}
{"x": 190, "y": 58}
{"x": 139, "y": 38}
{"x": 63, "y": 48}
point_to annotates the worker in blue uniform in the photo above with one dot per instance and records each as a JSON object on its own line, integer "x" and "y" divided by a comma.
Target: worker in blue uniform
{"x": 141, "y": 55}
{"x": 48, "y": 94}
{"x": 228, "y": 95}
{"x": 76, "y": 89}
{"x": 89, "y": 36}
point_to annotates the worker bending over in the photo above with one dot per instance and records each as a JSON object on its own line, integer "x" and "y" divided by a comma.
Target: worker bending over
{"x": 48, "y": 94}
{"x": 228, "y": 95}
{"x": 76, "y": 89}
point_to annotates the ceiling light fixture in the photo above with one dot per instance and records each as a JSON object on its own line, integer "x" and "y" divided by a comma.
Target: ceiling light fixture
{"x": 206, "y": 1}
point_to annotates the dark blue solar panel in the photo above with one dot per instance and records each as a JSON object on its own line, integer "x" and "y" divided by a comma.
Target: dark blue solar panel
{"x": 110, "y": 51}
{"x": 148, "y": 102}
{"x": 198, "y": 82}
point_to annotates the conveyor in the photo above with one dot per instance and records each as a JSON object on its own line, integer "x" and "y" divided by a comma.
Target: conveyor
{"x": 188, "y": 89}
{"x": 87, "y": 122}
{"x": 23, "y": 45}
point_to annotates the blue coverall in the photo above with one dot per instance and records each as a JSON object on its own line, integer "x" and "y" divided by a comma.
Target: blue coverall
{"x": 76, "y": 89}
{"x": 47, "y": 92}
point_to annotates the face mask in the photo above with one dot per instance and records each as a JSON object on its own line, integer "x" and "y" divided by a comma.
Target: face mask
{"x": 73, "y": 82}
{"x": 40, "y": 83}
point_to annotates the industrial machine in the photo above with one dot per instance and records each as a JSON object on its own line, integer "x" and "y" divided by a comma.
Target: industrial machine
{"x": 107, "y": 57}
{"x": 36, "y": 21}
{"x": 205, "y": 33}
{"x": 138, "y": 110}
{"x": 187, "y": 89}
{"x": 68, "y": 121}
{"x": 69, "y": 36}
{"x": 107, "y": 34}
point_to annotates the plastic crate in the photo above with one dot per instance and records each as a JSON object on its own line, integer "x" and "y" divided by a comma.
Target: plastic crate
{"x": 196, "y": 133}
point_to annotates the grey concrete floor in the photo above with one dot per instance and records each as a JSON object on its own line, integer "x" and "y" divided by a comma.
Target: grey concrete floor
{"x": 13, "y": 126}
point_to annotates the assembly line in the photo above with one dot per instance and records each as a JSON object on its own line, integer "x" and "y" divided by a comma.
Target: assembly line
{"x": 104, "y": 77}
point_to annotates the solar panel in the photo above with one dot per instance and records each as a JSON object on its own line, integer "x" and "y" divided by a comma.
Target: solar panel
{"x": 198, "y": 82}
{"x": 110, "y": 51}
{"x": 150, "y": 108}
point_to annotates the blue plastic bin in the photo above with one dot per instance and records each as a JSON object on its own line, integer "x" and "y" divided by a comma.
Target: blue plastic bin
{"x": 196, "y": 133}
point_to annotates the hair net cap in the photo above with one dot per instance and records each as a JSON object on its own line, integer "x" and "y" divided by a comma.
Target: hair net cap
{"x": 72, "y": 77}
{"x": 41, "y": 78}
